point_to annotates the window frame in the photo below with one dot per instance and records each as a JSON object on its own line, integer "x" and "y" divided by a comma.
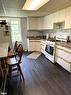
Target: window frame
{"x": 19, "y": 28}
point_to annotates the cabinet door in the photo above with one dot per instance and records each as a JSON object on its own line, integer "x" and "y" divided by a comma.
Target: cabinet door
{"x": 67, "y": 56}
{"x": 63, "y": 63}
{"x": 56, "y": 17}
{"x": 68, "y": 18}
{"x": 43, "y": 45}
{"x": 37, "y": 46}
{"x": 48, "y": 22}
{"x": 59, "y": 16}
{"x": 31, "y": 46}
{"x": 64, "y": 53}
{"x": 59, "y": 52}
{"x": 40, "y": 23}
{"x": 63, "y": 57}
{"x": 35, "y": 23}
{"x": 31, "y": 23}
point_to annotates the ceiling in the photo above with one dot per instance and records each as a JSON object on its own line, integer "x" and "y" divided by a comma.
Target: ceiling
{"x": 13, "y": 8}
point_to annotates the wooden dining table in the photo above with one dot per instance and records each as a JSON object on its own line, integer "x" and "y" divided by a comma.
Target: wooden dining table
{"x": 3, "y": 55}
{"x": 3, "y": 50}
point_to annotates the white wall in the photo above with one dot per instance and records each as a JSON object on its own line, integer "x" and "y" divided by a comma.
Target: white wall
{"x": 3, "y": 37}
{"x": 24, "y": 32}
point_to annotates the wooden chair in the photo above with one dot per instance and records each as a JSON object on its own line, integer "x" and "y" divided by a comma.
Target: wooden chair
{"x": 14, "y": 62}
{"x": 3, "y": 79}
{"x": 1, "y": 71}
{"x": 16, "y": 46}
{"x": 2, "y": 66}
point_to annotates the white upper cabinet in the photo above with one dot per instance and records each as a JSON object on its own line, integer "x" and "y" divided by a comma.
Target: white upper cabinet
{"x": 35, "y": 23}
{"x": 40, "y": 23}
{"x": 48, "y": 22}
{"x": 68, "y": 18}
{"x": 59, "y": 16}
{"x": 63, "y": 15}
{"x": 31, "y": 23}
{"x": 56, "y": 17}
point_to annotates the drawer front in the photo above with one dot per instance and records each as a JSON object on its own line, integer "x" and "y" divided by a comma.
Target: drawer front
{"x": 59, "y": 52}
{"x": 64, "y": 64}
{"x": 67, "y": 56}
{"x": 64, "y": 54}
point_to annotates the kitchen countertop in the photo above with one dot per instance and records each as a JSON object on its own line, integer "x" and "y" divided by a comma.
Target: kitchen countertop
{"x": 64, "y": 44}
{"x": 36, "y": 37}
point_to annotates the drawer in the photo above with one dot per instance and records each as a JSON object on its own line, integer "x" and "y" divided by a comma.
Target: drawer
{"x": 67, "y": 56}
{"x": 64, "y": 54}
{"x": 59, "y": 52}
{"x": 63, "y": 63}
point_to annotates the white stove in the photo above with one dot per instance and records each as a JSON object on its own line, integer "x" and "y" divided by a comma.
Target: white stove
{"x": 50, "y": 51}
{"x": 50, "y": 47}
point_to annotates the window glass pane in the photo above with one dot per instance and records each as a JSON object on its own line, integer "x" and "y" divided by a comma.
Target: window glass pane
{"x": 15, "y": 27}
{"x": 16, "y": 32}
{"x": 14, "y": 22}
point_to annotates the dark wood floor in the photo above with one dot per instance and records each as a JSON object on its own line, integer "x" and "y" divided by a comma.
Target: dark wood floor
{"x": 41, "y": 78}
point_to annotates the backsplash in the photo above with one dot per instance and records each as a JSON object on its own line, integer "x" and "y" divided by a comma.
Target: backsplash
{"x": 34, "y": 33}
{"x": 53, "y": 33}
{"x": 58, "y": 32}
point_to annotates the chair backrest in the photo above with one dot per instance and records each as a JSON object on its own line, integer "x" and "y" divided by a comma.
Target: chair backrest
{"x": 15, "y": 46}
{"x": 9, "y": 48}
{"x": 20, "y": 52}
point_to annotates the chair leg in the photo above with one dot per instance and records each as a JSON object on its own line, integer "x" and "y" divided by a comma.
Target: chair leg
{"x": 10, "y": 71}
{"x": 1, "y": 71}
{"x": 19, "y": 68}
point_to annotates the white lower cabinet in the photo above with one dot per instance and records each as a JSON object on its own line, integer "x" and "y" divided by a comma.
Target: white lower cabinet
{"x": 67, "y": 56}
{"x": 37, "y": 46}
{"x": 33, "y": 45}
{"x": 64, "y": 64}
{"x": 43, "y": 45}
{"x": 63, "y": 57}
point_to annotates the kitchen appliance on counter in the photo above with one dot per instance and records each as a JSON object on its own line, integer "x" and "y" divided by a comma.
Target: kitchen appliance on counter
{"x": 69, "y": 38}
{"x": 50, "y": 51}
{"x": 47, "y": 36}
{"x": 62, "y": 38}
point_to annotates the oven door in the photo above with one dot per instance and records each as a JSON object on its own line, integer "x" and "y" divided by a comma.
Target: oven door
{"x": 49, "y": 49}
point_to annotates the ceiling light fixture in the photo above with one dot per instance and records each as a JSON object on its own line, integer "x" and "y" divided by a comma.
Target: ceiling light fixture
{"x": 34, "y": 4}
